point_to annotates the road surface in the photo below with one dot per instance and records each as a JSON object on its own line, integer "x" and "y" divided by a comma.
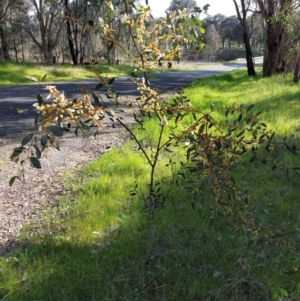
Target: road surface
{"x": 23, "y": 97}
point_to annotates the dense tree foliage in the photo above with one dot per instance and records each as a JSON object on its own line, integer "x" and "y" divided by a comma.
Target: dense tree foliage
{"x": 231, "y": 31}
{"x": 179, "y": 4}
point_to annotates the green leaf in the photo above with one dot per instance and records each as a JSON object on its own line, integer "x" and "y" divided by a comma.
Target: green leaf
{"x": 35, "y": 162}
{"x": 253, "y": 123}
{"x": 188, "y": 152}
{"x": 39, "y": 99}
{"x": 201, "y": 129}
{"x": 218, "y": 144}
{"x": 290, "y": 149}
{"x": 99, "y": 86}
{"x": 240, "y": 117}
{"x": 240, "y": 133}
{"x": 12, "y": 180}
{"x": 96, "y": 98}
{"x": 252, "y": 159}
{"x": 133, "y": 74}
{"x": 85, "y": 127}
{"x": 56, "y": 130}
{"x": 250, "y": 108}
{"x": 197, "y": 21}
{"x": 44, "y": 140}
{"x": 111, "y": 80}
{"x": 44, "y": 77}
{"x": 17, "y": 151}
{"x": 36, "y": 118}
{"x": 37, "y": 152}
{"x": 283, "y": 292}
{"x": 205, "y": 7}
{"x": 27, "y": 139}
{"x": 181, "y": 30}
{"x": 110, "y": 15}
{"x": 191, "y": 37}
{"x": 194, "y": 33}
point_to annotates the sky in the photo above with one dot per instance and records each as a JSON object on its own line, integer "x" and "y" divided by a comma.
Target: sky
{"x": 225, "y": 7}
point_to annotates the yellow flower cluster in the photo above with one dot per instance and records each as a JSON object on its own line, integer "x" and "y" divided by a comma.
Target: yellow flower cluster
{"x": 67, "y": 112}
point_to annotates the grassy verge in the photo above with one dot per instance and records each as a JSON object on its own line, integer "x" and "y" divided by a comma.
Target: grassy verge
{"x": 14, "y": 74}
{"x": 98, "y": 251}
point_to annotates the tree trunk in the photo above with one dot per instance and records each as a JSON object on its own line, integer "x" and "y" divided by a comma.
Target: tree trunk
{"x": 242, "y": 17}
{"x": 249, "y": 56}
{"x": 48, "y": 57}
{"x": 71, "y": 45}
{"x": 275, "y": 15}
{"x": 4, "y": 46}
{"x": 274, "y": 44}
{"x": 70, "y": 38}
{"x": 297, "y": 69}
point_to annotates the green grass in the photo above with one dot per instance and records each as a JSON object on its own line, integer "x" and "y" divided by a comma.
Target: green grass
{"x": 14, "y": 74}
{"x": 97, "y": 252}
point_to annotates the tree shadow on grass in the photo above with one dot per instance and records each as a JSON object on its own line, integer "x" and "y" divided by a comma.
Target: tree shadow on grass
{"x": 191, "y": 260}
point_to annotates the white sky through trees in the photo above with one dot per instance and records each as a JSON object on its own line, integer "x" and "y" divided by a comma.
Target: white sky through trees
{"x": 225, "y": 7}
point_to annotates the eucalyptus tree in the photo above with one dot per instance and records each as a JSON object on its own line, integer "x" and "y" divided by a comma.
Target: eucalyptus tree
{"x": 241, "y": 11}
{"x": 80, "y": 18}
{"x": 212, "y": 43}
{"x": 230, "y": 31}
{"x": 180, "y": 4}
{"x": 215, "y": 20}
{"x": 50, "y": 21}
{"x": 276, "y": 15}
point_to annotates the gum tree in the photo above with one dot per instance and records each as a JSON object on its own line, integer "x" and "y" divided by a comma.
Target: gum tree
{"x": 276, "y": 15}
{"x": 241, "y": 12}
{"x": 50, "y": 24}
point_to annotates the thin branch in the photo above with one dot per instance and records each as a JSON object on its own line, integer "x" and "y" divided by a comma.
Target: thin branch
{"x": 136, "y": 140}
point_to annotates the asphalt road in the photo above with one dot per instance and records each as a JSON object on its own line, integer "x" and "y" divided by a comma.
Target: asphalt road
{"x": 23, "y": 97}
